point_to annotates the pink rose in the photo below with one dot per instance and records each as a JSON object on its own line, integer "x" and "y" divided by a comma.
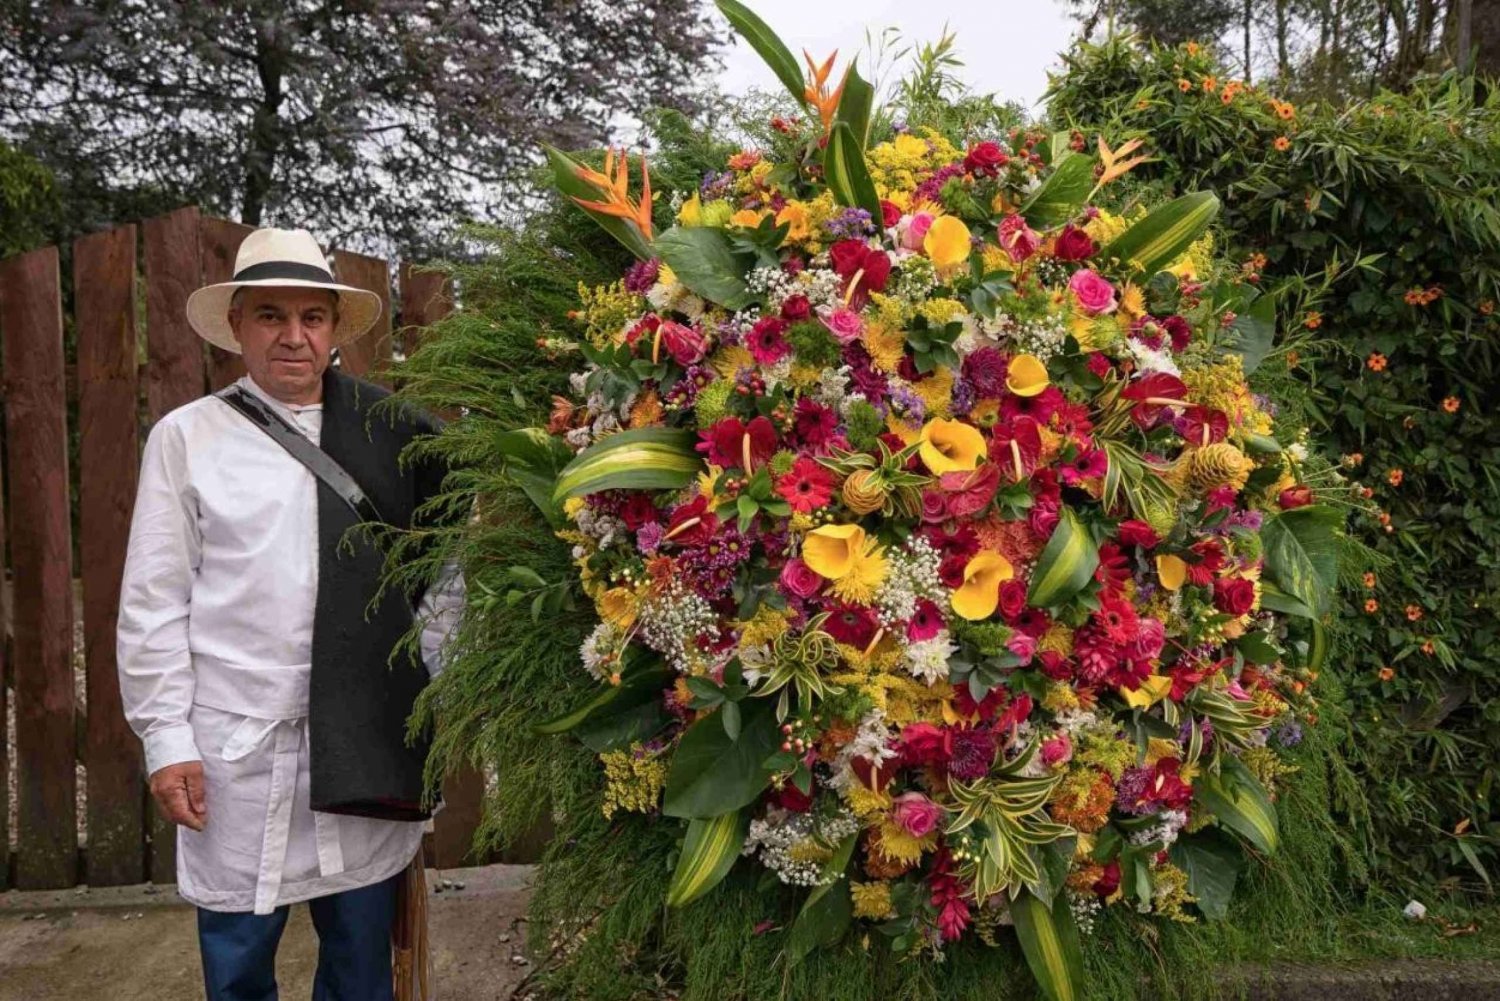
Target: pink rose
{"x": 934, "y": 506}
{"x": 1057, "y": 751}
{"x": 1022, "y": 646}
{"x": 800, "y": 579}
{"x": 844, "y": 324}
{"x": 916, "y": 814}
{"x": 1150, "y": 638}
{"x": 916, "y": 231}
{"x": 1095, "y": 294}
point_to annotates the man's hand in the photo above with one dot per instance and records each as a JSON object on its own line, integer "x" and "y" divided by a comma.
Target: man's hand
{"x": 178, "y": 791}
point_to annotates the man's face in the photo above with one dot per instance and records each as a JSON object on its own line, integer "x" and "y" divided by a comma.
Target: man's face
{"x": 285, "y": 335}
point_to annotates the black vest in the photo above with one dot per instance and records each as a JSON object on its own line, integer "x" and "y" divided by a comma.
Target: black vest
{"x": 362, "y": 691}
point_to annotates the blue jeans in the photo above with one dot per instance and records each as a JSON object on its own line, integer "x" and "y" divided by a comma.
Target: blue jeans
{"x": 354, "y": 947}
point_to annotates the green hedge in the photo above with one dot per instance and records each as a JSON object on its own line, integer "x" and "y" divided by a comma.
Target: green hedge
{"x": 1379, "y": 224}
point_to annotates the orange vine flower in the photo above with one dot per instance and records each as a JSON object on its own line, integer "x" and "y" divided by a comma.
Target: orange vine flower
{"x": 1413, "y": 613}
{"x": 1377, "y": 361}
{"x": 1314, "y": 320}
{"x": 1282, "y": 144}
{"x": 1394, "y": 477}
{"x": 1369, "y": 579}
{"x": 614, "y": 185}
{"x": 1387, "y": 673}
{"x": 1372, "y": 606}
{"x": 1451, "y": 404}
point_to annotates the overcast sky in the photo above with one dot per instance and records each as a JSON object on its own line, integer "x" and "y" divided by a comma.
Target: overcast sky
{"x": 1007, "y": 46}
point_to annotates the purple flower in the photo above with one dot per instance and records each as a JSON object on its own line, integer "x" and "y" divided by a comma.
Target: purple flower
{"x": 851, "y": 224}
{"x": 641, "y": 275}
{"x": 908, "y": 403}
{"x": 973, "y": 753}
{"x": 1289, "y": 734}
{"x": 648, "y": 537}
{"x": 963, "y": 397}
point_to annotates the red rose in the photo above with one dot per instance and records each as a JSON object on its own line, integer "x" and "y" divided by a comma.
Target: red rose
{"x": 1233, "y": 595}
{"x": 1298, "y": 496}
{"x": 890, "y": 213}
{"x": 1055, "y": 665}
{"x": 934, "y": 506}
{"x": 1073, "y": 244}
{"x": 1012, "y": 599}
{"x": 1138, "y": 533}
{"x": 985, "y": 159}
{"x": 951, "y": 571}
{"x": 924, "y": 744}
{"x": 639, "y": 510}
{"x": 792, "y": 799}
{"x": 795, "y": 308}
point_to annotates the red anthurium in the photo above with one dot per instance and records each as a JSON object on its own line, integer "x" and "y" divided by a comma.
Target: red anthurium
{"x": 1150, "y": 393}
{"x": 1015, "y": 446}
{"x": 1204, "y": 425}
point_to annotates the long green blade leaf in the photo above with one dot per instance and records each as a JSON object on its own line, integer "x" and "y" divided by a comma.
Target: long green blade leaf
{"x": 1155, "y": 241}
{"x": 856, "y": 104}
{"x": 708, "y": 853}
{"x": 844, "y": 168}
{"x": 640, "y": 459}
{"x": 767, "y": 45}
{"x": 1062, "y": 194}
{"x": 1066, "y": 564}
{"x": 1049, "y": 941}
{"x": 1236, "y": 797}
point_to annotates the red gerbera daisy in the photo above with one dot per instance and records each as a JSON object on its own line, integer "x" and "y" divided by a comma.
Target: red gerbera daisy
{"x": 807, "y": 486}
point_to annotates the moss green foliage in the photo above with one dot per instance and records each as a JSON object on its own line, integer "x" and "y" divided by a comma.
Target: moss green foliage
{"x": 28, "y": 201}
{"x": 1379, "y": 225}
{"x": 813, "y": 344}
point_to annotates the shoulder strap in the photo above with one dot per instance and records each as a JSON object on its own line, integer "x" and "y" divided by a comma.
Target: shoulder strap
{"x": 318, "y": 462}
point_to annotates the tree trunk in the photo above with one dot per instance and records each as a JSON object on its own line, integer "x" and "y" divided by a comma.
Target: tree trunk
{"x": 1485, "y": 29}
{"x": 264, "y": 143}
{"x": 1283, "y": 61}
{"x": 1247, "y": 40}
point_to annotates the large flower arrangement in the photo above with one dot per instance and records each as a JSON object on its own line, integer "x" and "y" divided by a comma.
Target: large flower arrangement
{"x": 946, "y": 565}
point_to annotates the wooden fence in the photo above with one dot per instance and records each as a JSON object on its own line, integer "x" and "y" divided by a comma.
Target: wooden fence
{"x": 122, "y": 379}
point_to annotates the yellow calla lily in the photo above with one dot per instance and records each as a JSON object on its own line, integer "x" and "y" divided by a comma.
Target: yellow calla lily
{"x": 951, "y": 446}
{"x": 1152, "y": 691}
{"x": 1026, "y": 375}
{"x": 1172, "y": 570}
{"x": 832, "y": 550}
{"x": 691, "y": 213}
{"x": 979, "y": 595}
{"x": 947, "y": 243}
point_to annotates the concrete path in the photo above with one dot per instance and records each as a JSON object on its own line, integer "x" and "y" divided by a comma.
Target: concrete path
{"x": 140, "y": 943}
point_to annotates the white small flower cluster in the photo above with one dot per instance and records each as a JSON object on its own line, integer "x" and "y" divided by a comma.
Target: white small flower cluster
{"x": 914, "y": 280}
{"x": 1043, "y": 337}
{"x": 823, "y": 288}
{"x": 771, "y": 285}
{"x": 1085, "y": 908}
{"x": 601, "y": 650}
{"x": 1073, "y": 721}
{"x": 672, "y": 621}
{"x": 871, "y": 742}
{"x": 928, "y": 659}
{"x": 795, "y": 845}
{"x": 832, "y": 387}
{"x": 1169, "y": 824}
{"x": 604, "y": 529}
{"x": 1149, "y": 359}
{"x": 912, "y": 576}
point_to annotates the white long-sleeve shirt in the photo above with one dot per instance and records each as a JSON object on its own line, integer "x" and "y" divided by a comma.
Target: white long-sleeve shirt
{"x": 215, "y": 651}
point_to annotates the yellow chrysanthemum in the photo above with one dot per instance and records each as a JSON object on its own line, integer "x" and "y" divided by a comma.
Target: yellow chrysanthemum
{"x": 1132, "y": 301}
{"x": 872, "y": 901}
{"x": 936, "y": 392}
{"x": 728, "y": 360}
{"x": 1105, "y": 226}
{"x": 748, "y": 218}
{"x": 795, "y": 215}
{"x": 864, "y": 801}
{"x": 1057, "y": 639}
{"x": 886, "y": 344}
{"x": 619, "y": 606}
{"x": 898, "y": 846}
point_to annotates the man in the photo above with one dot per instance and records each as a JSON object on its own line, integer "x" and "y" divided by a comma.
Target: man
{"x": 260, "y": 660}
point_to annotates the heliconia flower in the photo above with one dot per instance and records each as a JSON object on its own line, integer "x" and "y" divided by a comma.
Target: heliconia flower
{"x": 947, "y": 242}
{"x": 817, "y": 93}
{"x": 1114, "y": 162}
{"x": 950, "y": 446}
{"x": 980, "y": 594}
{"x": 614, "y": 185}
{"x": 831, "y": 550}
{"x": 1026, "y": 375}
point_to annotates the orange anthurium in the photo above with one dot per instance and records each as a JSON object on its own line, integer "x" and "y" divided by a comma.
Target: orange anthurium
{"x": 1172, "y": 570}
{"x": 950, "y": 446}
{"x": 817, "y": 93}
{"x": 1026, "y": 375}
{"x": 614, "y": 185}
{"x": 947, "y": 243}
{"x": 980, "y": 594}
{"x": 831, "y": 551}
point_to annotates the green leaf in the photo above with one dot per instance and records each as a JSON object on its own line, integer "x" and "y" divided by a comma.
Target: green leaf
{"x": 1301, "y": 553}
{"x": 1257, "y": 648}
{"x": 826, "y": 913}
{"x": 729, "y": 714}
{"x": 702, "y": 259}
{"x": 845, "y": 171}
{"x": 565, "y": 177}
{"x": 531, "y": 459}
{"x": 1158, "y": 239}
{"x": 1277, "y": 600}
{"x": 1049, "y": 941}
{"x": 713, "y": 773}
{"x": 612, "y": 718}
{"x": 639, "y": 459}
{"x": 767, "y": 45}
{"x": 1212, "y": 863}
{"x": 1237, "y": 799}
{"x": 1062, "y": 194}
{"x": 1253, "y": 331}
{"x": 855, "y": 105}
{"x": 1066, "y": 565}
{"x": 708, "y": 853}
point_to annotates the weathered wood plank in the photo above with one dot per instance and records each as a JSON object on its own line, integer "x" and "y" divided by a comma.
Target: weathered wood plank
{"x": 425, "y": 299}
{"x": 41, "y": 564}
{"x": 370, "y": 356}
{"x": 175, "y": 367}
{"x": 220, "y": 240}
{"x": 104, "y": 312}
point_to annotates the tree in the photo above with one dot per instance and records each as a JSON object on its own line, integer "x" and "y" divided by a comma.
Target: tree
{"x": 1169, "y": 22}
{"x": 27, "y": 201}
{"x": 374, "y": 121}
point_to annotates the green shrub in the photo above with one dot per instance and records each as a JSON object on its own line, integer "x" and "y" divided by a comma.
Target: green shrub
{"x": 1379, "y": 226}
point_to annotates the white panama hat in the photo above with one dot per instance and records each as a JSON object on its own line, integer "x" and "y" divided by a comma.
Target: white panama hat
{"x": 280, "y": 258}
